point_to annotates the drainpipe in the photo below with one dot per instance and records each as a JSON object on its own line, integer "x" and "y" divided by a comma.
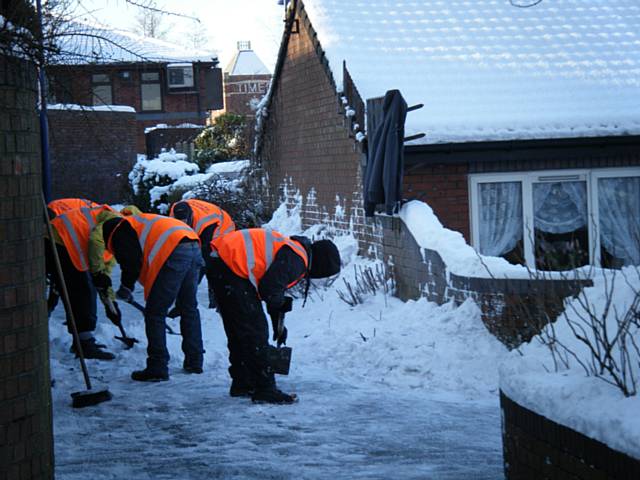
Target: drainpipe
{"x": 44, "y": 124}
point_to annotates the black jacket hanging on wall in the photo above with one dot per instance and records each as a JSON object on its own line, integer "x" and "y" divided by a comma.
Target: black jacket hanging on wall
{"x": 385, "y": 158}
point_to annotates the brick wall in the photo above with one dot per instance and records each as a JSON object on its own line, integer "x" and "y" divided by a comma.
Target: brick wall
{"x": 97, "y": 148}
{"x": 308, "y": 151}
{"x": 26, "y": 442}
{"x": 536, "y": 448}
{"x": 240, "y": 91}
{"x": 513, "y": 310}
{"x": 444, "y": 187}
{"x": 168, "y": 138}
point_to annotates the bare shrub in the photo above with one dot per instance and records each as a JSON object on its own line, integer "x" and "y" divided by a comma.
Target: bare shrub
{"x": 367, "y": 281}
{"x": 611, "y": 337}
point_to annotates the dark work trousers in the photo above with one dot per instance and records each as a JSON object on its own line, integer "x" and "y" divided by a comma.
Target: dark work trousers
{"x": 177, "y": 281}
{"x": 82, "y": 293}
{"x": 205, "y": 245}
{"x": 246, "y": 327}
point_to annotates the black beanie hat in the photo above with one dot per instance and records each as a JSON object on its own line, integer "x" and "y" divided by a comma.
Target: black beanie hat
{"x": 182, "y": 211}
{"x": 325, "y": 259}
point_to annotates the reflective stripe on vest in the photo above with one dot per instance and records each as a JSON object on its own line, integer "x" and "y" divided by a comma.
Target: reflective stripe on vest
{"x": 204, "y": 214}
{"x": 76, "y": 242}
{"x": 75, "y": 236}
{"x": 162, "y": 240}
{"x": 63, "y": 205}
{"x": 157, "y": 245}
{"x": 242, "y": 258}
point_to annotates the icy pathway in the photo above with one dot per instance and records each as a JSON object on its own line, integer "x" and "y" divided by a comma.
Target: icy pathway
{"x": 416, "y": 400}
{"x": 335, "y": 431}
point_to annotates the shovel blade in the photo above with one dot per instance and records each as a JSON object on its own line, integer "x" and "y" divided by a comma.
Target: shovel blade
{"x": 89, "y": 398}
{"x": 129, "y": 342}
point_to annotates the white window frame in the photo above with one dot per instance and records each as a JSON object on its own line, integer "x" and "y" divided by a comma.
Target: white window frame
{"x": 188, "y": 75}
{"x": 527, "y": 179}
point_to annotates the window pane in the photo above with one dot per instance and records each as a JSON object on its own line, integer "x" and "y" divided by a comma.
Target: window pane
{"x": 176, "y": 76}
{"x": 102, "y": 95}
{"x": 100, "y": 78}
{"x": 151, "y": 96}
{"x": 500, "y": 227}
{"x": 150, "y": 77}
{"x": 619, "y": 212}
{"x": 561, "y": 235}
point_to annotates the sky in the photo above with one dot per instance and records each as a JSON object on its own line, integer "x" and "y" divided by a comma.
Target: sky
{"x": 226, "y": 22}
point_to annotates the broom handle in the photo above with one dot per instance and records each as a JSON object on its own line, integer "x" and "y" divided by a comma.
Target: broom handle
{"x": 65, "y": 297}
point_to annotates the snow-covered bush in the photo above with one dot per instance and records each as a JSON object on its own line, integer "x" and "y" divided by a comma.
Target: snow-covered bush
{"x": 225, "y": 139}
{"x": 152, "y": 180}
{"x": 241, "y": 197}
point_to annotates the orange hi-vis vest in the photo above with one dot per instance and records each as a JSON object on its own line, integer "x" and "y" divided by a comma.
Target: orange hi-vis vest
{"x": 249, "y": 253}
{"x": 158, "y": 236}
{"x": 205, "y": 214}
{"x": 74, "y": 228}
{"x": 63, "y": 205}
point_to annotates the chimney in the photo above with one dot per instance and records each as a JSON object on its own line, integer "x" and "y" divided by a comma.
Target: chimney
{"x": 244, "y": 45}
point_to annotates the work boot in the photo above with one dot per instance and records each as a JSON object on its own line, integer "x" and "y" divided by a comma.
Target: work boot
{"x": 272, "y": 395}
{"x": 147, "y": 375}
{"x": 91, "y": 349}
{"x": 192, "y": 369}
{"x": 240, "y": 389}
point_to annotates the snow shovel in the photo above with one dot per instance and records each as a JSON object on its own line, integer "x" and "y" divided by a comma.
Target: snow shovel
{"x": 140, "y": 307}
{"x": 86, "y": 397}
{"x": 128, "y": 341}
{"x": 279, "y": 357}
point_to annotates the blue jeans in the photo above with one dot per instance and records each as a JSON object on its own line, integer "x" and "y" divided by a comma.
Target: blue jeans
{"x": 177, "y": 281}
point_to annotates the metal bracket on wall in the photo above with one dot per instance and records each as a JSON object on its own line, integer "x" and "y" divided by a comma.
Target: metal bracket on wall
{"x": 417, "y": 135}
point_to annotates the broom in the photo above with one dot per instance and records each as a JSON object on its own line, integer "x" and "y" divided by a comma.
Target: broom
{"x": 86, "y": 397}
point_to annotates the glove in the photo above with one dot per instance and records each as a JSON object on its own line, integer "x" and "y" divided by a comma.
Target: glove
{"x": 112, "y": 311}
{"x": 287, "y": 305}
{"x": 282, "y": 339}
{"x": 101, "y": 280}
{"x": 125, "y": 294}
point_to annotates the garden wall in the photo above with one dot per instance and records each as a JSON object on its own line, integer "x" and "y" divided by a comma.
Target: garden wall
{"x": 92, "y": 153}
{"x": 536, "y": 448}
{"x": 513, "y": 310}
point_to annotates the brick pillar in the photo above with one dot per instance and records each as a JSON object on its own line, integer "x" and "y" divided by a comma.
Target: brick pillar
{"x": 26, "y": 434}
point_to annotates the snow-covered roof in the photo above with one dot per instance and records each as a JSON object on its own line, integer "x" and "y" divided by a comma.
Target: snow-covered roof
{"x": 246, "y": 62}
{"x": 82, "y": 43}
{"x": 488, "y": 70}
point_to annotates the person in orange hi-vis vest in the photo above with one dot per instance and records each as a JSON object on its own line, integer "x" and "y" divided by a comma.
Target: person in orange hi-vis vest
{"x": 63, "y": 205}
{"x": 71, "y": 235}
{"x": 55, "y": 208}
{"x": 163, "y": 254}
{"x": 254, "y": 265}
{"x": 210, "y": 222}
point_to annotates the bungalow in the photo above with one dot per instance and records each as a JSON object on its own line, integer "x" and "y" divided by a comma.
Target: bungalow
{"x": 531, "y": 120}
{"x": 164, "y": 83}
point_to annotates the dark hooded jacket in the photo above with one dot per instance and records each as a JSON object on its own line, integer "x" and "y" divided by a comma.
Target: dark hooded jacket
{"x": 383, "y": 174}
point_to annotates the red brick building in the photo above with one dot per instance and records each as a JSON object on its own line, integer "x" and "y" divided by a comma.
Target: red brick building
{"x": 525, "y": 150}
{"x": 163, "y": 83}
{"x": 246, "y": 81}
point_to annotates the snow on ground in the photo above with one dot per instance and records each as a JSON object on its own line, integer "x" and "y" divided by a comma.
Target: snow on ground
{"x": 586, "y": 404}
{"x": 387, "y": 390}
